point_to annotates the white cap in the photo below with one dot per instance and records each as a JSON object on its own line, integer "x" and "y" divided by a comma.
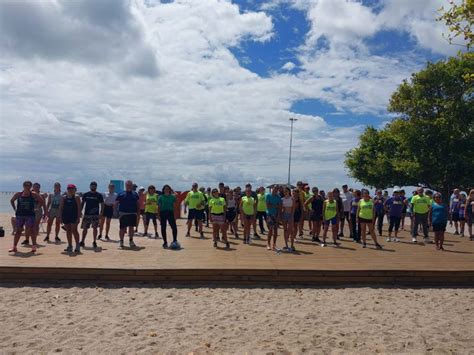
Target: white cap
{"x": 141, "y": 188}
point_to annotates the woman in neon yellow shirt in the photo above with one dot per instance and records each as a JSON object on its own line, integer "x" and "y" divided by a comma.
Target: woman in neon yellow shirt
{"x": 366, "y": 217}
{"x": 151, "y": 209}
{"x": 248, "y": 209}
{"x": 331, "y": 217}
{"x": 217, "y": 210}
{"x": 261, "y": 208}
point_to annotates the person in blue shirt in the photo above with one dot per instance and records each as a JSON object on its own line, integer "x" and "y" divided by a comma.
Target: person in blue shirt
{"x": 394, "y": 207}
{"x": 438, "y": 217}
{"x": 128, "y": 207}
{"x": 273, "y": 201}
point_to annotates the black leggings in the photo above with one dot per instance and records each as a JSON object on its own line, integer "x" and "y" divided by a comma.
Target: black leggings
{"x": 355, "y": 227}
{"x": 261, "y": 216}
{"x": 168, "y": 216}
{"x": 379, "y": 217}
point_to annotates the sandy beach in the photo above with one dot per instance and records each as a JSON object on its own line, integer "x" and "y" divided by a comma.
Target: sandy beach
{"x": 107, "y": 318}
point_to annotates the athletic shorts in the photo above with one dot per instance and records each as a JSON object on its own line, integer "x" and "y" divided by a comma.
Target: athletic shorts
{"x": 272, "y": 221}
{"x": 27, "y": 221}
{"x": 218, "y": 218}
{"x": 456, "y": 216}
{"x": 150, "y": 217}
{"x": 128, "y": 220}
{"x": 332, "y": 221}
{"x": 347, "y": 214}
{"x": 439, "y": 227}
{"x": 195, "y": 214}
{"x": 297, "y": 216}
{"x": 230, "y": 215}
{"x": 90, "y": 221}
{"x": 286, "y": 216}
{"x": 316, "y": 217}
{"x": 53, "y": 213}
{"x": 365, "y": 220}
{"x": 108, "y": 211}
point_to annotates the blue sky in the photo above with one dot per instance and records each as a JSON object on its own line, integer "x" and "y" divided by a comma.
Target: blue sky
{"x": 182, "y": 91}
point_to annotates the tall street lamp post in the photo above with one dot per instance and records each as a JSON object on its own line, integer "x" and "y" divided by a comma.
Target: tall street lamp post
{"x": 292, "y": 120}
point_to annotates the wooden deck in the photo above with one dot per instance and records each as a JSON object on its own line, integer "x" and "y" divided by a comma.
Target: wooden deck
{"x": 198, "y": 262}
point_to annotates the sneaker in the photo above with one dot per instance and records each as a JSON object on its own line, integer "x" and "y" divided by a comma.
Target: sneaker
{"x": 132, "y": 244}
{"x": 94, "y": 245}
{"x": 336, "y": 244}
{"x": 13, "y": 250}
{"x": 292, "y": 249}
{"x": 46, "y": 239}
{"x": 165, "y": 245}
{"x": 25, "y": 242}
{"x": 426, "y": 240}
{"x": 78, "y": 249}
{"x": 316, "y": 239}
{"x": 364, "y": 245}
{"x": 396, "y": 240}
{"x": 378, "y": 246}
{"x": 57, "y": 240}
{"x": 227, "y": 245}
{"x": 215, "y": 244}
{"x": 256, "y": 236}
{"x": 456, "y": 233}
{"x": 413, "y": 240}
{"x": 82, "y": 244}
{"x": 269, "y": 247}
{"x": 441, "y": 248}
{"x": 202, "y": 235}
{"x": 68, "y": 249}
{"x": 340, "y": 235}
{"x": 188, "y": 235}
{"x": 390, "y": 239}
{"x": 249, "y": 241}
{"x": 323, "y": 245}
{"x": 156, "y": 236}
{"x": 120, "y": 245}
{"x": 99, "y": 236}
{"x": 107, "y": 237}
{"x": 236, "y": 235}
{"x": 33, "y": 248}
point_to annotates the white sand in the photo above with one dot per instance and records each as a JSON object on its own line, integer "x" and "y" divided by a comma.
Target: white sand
{"x": 140, "y": 318}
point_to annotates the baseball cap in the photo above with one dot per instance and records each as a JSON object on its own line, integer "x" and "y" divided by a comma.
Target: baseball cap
{"x": 93, "y": 183}
{"x": 71, "y": 186}
{"x": 141, "y": 188}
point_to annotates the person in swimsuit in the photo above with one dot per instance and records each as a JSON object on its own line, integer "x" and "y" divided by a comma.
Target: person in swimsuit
{"x": 25, "y": 214}
{"x": 108, "y": 212}
{"x": 231, "y": 213}
{"x": 54, "y": 200}
{"x": 166, "y": 207}
{"x": 287, "y": 217}
{"x": 469, "y": 213}
{"x": 151, "y": 209}
{"x": 438, "y": 217}
{"x": 366, "y": 217}
{"x": 273, "y": 202}
{"x": 70, "y": 215}
{"x": 248, "y": 208}
{"x": 217, "y": 210}
{"x": 316, "y": 202}
{"x": 331, "y": 215}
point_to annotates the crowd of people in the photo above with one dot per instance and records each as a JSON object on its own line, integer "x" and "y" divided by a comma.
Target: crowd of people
{"x": 228, "y": 211}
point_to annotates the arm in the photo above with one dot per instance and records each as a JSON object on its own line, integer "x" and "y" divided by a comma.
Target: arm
{"x": 14, "y": 198}
{"x": 324, "y": 209}
{"x": 255, "y": 203}
{"x": 48, "y": 205}
{"x": 79, "y": 212}
{"x": 61, "y": 206}
{"x": 308, "y": 201}
{"x": 41, "y": 201}
{"x": 357, "y": 213}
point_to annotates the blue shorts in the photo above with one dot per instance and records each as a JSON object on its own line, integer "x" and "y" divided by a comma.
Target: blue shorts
{"x": 332, "y": 221}
{"x": 195, "y": 214}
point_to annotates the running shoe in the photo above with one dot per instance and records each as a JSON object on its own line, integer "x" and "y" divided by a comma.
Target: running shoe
{"x": 156, "y": 236}
{"x": 227, "y": 245}
{"x": 132, "y": 244}
{"x": 215, "y": 244}
{"x": 13, "y": 250}
{"x": 202, "y": 235}
{"x": 396, "y": 240}
{"x": 121, "y": 244}
{"x": 413, "y": 240}
{"x": 256, "y": 236}
{"x": 340, "y": 235}
{"x": 316, "y": 239}
{"x": 57, "y": 240}
{"x": 323, "y": 245}
{"x": 68, "y": 249}
{"x": 25, "y": 242}
{"x": 364, "y": 245}
{"x": 292, "y": 249}
{"x": 99, "y": 236}
{"x": 268, "y": 247}
{"x": 33, "y": 248}
{"x": 456, "y": 233}
{"x": 188, "y": 235}
{"x": 46, "y": 239}
{"x": 441, "y": 248}
{"x": 165, "y": 245}
{"x": 426, "y": 240}
{"x": 107, "y": 237}
{"x": 249, "y": 241}
{"x": 78, "y": 249}
{"x": 236, "y": 235}
{"x": 378, "y": 246}
{"x": 389, "y": 239}
{"x": 82, "y": 244}
{"x": 336, "y": 244}
{"x": 94, "y": 245}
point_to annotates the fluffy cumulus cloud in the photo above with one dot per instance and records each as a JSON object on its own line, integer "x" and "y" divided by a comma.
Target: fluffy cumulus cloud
{"x": 152, "y": 91}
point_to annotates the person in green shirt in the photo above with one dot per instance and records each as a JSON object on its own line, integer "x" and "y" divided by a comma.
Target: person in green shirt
{"x": 165, "y": 210}
{"x": 421, "y": 205}
{"x": 151, "y": 209}
{"x": 248, "y": 209}
{"x": 217, "y": 210}
{"x": 330, "y": 217}
{"x": 366, "y": 218}
{"x": 195, "y": 201}
{"x": 261, "y": 208}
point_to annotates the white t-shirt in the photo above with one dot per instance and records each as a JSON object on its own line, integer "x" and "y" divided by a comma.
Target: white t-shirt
{"x": 346, "y": 200}
{"x": 109, "y": 198}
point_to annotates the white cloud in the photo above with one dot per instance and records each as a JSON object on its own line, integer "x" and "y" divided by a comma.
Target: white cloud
{"x": 288, "y": 66}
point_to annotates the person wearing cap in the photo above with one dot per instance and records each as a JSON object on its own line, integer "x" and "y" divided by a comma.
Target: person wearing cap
{"x": 141, "y": 202}
{"x": 93, "y": 205}
{"x": 70, "y": 215}
{"x": 129, "y": 208}
{"x": 195, "y": 202}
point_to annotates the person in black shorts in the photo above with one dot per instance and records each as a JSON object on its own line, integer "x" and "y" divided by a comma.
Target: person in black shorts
{"x": 93, "y": 204}
{"x": 316, "y": 213}
{"x": 128, "y": 207}
{"x": 70, "y": 215}
{"x": 108, "y": 212}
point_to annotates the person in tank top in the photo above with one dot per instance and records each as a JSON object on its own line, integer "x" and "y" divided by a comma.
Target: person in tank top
{"x": 70, "y": 215}
{"x": 54, "y": 200}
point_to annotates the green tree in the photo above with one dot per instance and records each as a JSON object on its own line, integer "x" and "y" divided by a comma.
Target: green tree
{"x": 459, "y": 19}
{"x": 431, "y": 142}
